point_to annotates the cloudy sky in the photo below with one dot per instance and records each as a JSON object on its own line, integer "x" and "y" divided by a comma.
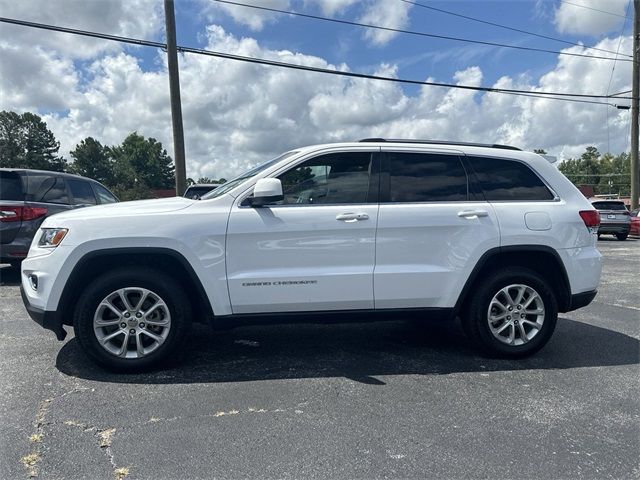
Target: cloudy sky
{"x": 238, "y": 114}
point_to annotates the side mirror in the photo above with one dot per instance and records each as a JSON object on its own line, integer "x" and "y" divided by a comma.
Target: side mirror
{"x": 267, "y": 191}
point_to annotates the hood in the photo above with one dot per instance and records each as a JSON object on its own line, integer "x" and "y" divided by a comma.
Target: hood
{"x": 124, "y": 209}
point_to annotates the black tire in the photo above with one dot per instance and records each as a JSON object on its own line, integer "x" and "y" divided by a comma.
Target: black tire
{"x": 622, "y": 236}
{"x": 16, "y": 264}
{"x": 154, "y": 280}
{"x": 475, "y": 318}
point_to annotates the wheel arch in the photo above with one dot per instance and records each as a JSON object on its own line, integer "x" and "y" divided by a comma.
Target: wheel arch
{"x": 166, "y": 259}
{"x": 542, "y": 259}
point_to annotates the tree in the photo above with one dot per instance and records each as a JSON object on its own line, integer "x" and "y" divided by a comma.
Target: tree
{"x": 26, "y": 142}
{"x": 91, "y": 159}
{"x": 140, "y": 160}
{"x": 540, "y": 151}
{"x": 606, "y": 173}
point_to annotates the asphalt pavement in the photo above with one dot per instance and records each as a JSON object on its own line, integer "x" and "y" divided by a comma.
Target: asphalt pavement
{"x": 381, "y": 400}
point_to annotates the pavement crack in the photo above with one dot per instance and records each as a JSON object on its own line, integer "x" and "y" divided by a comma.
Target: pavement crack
{"x": 105, "y": 439}
{"x": 31, "y": 460}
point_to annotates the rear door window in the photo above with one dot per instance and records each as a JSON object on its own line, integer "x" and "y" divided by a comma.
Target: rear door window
{"x": 81, "y": 192}
{"x": 508, "y": 180}
{"x": 425, "y": 177}
{"x": 52, "y": 190}
{"x": 11, "y": 186}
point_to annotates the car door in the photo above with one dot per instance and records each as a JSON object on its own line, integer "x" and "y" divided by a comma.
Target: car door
{"x": 432, "y": 229}
{"x": 313, "y": 251}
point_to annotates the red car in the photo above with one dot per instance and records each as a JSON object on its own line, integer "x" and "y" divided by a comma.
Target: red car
{"x": 635, "y": 223}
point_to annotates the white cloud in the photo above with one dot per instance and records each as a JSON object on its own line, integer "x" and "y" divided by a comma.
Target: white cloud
{"x": 386, "y": 14}
{"x": 573, "y": 19}
{"x": 332, "y": 7}
{"x": 253, "y": 18}
{"x": 135, "y": 18}
{"x": 237, "y": 114}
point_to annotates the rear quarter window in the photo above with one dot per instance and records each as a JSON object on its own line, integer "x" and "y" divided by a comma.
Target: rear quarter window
{"x": 81, "y": 192}
{"x": 508, "y": 180}
{"x": 11, "y": 186}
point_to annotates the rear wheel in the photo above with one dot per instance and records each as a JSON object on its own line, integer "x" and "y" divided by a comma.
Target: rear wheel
{"x": 622, "y": 236}
{"x": 132, "y": 319}
{"x": 512, "y": 313}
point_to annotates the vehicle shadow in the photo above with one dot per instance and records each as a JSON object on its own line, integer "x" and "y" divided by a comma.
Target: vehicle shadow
{"x": 9, "y": 276}
{"x": 361, "y": 352}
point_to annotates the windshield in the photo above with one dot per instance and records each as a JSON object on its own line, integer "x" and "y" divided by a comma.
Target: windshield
{"x": 233, "y": 183}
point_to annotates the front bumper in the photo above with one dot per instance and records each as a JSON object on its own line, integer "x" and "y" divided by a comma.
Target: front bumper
{"x": 46, "y": 319}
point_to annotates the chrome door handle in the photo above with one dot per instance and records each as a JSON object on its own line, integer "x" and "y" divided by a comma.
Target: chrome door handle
{"x": 473, "y": 213}
{"x": 352, "y": 217}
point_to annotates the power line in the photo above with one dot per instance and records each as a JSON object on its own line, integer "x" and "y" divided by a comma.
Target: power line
{"x": 513, "y": 29}
{"x": 596, "y": 9}
{"x": 613, "y": 69}
{"x": 413, "y": 32}
{"x": 262, "y": 61}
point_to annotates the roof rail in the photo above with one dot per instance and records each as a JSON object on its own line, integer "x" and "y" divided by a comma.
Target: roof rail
{"x": 438, "y": 142}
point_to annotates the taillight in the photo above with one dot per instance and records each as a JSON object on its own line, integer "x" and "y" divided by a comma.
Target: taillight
{"x": 31, "y": 213}
{"x": 591, "y": 218}
{"x": 18, "y": 214}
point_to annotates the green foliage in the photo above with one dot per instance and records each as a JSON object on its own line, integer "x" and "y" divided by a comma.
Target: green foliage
{"x": 132, "y": 170}
{"x": 26, "y": 142}
{"x": 91, "y": 159}
{"x": 606, "y": 173}
{"x": 140, "y": 160}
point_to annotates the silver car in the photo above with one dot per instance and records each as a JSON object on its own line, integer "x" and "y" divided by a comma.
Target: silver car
{"x": 614, "y": 218}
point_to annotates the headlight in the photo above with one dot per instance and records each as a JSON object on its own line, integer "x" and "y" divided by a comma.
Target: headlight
{"x": 51, "y": 237}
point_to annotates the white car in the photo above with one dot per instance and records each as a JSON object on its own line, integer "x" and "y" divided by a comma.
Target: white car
{"x": 374, "y": 229}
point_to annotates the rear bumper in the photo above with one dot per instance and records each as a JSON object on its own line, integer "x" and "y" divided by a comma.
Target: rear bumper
{"x": 579, "y": 300}
{"x": 13, "y": 252}
{"x": 614, "y": 228}
{"x": 46, "y": 319}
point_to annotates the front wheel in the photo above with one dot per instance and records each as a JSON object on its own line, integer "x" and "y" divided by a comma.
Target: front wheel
{"x": 512, "y": 313}
{"x": 132, "y": 319}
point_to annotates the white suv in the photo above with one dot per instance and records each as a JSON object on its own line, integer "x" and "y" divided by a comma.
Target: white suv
{"x": 367, "y": 230}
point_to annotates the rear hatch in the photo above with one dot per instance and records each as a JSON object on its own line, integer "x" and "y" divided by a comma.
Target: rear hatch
{"x": 11, "y": 205}
{"x": 612, "y": 211}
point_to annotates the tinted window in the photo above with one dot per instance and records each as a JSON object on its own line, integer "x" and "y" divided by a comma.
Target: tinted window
{"x": 53, "y": 190}
{"x": 502, "y": 179}
{"x": 81, "y": 192}
{"x": 10, "y": 186}
{"x": 421, "y": 177}
{"x": 329, "y": 179}
{"x": 609, "y": 206}
{"x": 104, "y": 195}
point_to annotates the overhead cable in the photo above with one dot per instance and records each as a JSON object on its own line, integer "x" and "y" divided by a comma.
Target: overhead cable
{"x": 262, "y": 61}
{"x": 595, "y": 9}
{"x": 415, "y": 33}
{"x": 507, "y": 27}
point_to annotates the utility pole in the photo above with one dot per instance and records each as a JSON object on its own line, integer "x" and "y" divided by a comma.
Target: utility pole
{"x": 174, "y": 91}
{"x": 635, "y": 177}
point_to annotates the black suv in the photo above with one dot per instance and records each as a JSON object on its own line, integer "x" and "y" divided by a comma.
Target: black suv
{"x": 27, "y": 197}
